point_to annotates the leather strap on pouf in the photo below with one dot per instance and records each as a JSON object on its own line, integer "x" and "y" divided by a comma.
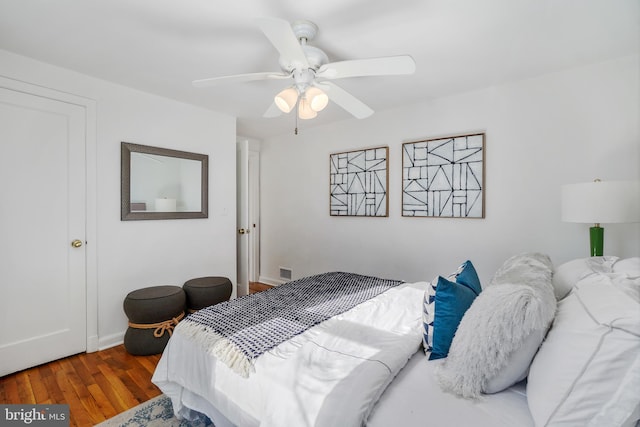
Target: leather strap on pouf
{"x": 160, "y": 327}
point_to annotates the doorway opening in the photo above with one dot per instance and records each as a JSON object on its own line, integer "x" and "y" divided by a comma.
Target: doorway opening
{"x": 248, "y": 213}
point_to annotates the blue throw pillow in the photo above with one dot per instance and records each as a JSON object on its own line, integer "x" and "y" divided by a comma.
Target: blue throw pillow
{"x": 467, "y": 276}
{"x": 445, "y": 302}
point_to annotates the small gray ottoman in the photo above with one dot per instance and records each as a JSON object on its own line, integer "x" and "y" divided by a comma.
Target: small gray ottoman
{"x": 153, "y": 312}
{"x": 205, "y": 291}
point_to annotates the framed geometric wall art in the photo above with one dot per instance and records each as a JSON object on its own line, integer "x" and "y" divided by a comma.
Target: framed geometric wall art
{"x": 358, "y": 182}
{"x": 444, "y": 177}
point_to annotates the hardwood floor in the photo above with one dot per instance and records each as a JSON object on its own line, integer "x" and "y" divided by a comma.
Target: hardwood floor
{"x": 96, "y": 386}
{"x": 258, "y": 287}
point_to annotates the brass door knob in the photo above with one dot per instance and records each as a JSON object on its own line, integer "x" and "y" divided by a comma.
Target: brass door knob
{"x": 76, "y": 243}
{"x": 242, "y": 231}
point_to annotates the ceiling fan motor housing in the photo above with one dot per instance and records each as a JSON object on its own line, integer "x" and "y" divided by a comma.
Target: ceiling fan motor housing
{"x": 305, "y": 31}
{"x": 316, "y": 58}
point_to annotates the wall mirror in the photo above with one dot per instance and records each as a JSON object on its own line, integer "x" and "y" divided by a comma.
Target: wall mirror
{"x": 158, "y": 183}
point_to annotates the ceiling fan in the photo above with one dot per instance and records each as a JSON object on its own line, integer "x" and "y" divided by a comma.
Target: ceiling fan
{"x": 311, "y": 72}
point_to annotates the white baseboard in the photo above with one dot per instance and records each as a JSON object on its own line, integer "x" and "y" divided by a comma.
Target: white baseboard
{"x": 111, "y": 341}
{"x": 92, "y": 344}
{"x": 270, "y": 281}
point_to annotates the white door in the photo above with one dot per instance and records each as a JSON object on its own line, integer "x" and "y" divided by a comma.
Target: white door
{"x": 242, "y": 220}
{"x": 43, "y": 311}
{"x": 248, "y": 213}
{"x": 254, "y": 216}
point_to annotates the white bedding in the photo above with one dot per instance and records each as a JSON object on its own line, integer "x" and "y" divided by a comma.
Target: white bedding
{"x": 414, "y": 398}
{"x": 332, "y": 375}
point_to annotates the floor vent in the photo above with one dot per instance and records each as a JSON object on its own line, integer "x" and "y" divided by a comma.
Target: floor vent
{"x": 285, "y": 273}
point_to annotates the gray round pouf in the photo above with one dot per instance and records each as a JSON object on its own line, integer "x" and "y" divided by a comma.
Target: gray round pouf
{"x": 153, "y": 312}
{"x": 205, "y": 291}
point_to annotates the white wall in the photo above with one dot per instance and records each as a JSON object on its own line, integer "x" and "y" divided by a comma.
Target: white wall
{"x": 565, "y": 127}
{"x": 136, "y": 254}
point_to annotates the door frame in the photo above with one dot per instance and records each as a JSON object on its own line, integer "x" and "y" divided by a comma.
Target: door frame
{"x": 242, "y": 217}
{"x": 254, "y": 213}
{"x": 91, "y": 260}
{"x": 248, "y": 211}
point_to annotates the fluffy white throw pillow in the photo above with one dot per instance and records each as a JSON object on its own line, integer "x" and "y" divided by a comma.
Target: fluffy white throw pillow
{"x": 533, "y": 268}
{"x": 502, "y": 330}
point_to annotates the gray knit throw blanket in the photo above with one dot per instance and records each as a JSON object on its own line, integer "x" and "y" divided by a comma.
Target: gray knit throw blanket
{"x": 239, "y": 331}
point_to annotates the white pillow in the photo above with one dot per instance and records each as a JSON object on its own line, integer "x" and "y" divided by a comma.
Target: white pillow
{"x": 517, "y": 364}
{"x": 629, "y": 266}
{"x": 587, "y": 371}
{"x": 566, "y": 275}
{"x": 502, "y": 330}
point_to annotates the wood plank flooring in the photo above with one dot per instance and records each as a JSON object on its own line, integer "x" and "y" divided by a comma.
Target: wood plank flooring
{"x": 258, "y": 287}
{"x": 96, "y": 386}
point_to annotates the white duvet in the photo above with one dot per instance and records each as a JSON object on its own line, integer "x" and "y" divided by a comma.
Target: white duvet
{"x": 330, "y": 375}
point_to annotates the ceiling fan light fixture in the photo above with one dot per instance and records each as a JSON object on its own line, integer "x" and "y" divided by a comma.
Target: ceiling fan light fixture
{"x": 318, "y": 100}
{"x": 311, "y": 72}
{"x": 286, "y": 99}
{"x": 305, "y": 111}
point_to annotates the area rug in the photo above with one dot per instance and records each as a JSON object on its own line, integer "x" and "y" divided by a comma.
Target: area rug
{"x": 156, "y": 412}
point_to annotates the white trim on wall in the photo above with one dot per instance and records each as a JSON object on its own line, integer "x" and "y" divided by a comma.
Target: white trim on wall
{"x": 109, "y": 341}
{"x": 270, "y": 281}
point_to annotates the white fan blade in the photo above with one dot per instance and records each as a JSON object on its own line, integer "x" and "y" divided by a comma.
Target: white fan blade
{"x": 281, "y": 36}
{"x": 344, "y": 99}
{"x": 385, "y": 66}
{"x": 272, "y": 111}
{"x": 239, "y": 78}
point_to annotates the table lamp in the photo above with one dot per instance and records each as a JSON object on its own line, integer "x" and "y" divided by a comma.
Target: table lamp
{"x": 601, "y": 202}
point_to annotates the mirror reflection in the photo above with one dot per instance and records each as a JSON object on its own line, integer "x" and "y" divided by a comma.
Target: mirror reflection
{"x": 164, "y": 184}
{"x": 159, "y": 183}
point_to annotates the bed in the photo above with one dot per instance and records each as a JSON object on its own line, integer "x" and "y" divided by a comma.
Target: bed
{"x": 366, "y": 365}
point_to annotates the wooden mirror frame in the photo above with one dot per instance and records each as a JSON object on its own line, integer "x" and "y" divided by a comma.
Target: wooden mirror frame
{"x": 126, "y": 214}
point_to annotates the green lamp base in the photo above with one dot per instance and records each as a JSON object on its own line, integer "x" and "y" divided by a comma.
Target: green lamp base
{"x": 596, "y": 234}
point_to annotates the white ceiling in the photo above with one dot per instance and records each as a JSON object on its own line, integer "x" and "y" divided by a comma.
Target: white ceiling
{"x": 160, "y": 46}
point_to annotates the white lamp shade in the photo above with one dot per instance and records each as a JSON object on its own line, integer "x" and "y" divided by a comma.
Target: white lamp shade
{"x": 601, "y": 202}
{"x": 286, "y": 99}
{"x": 304, "y": 110}
{"x": 318, "y": 100}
